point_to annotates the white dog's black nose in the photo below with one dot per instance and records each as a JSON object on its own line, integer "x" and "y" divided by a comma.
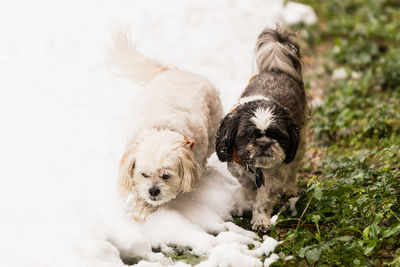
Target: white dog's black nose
{"x": 154, "y": 191}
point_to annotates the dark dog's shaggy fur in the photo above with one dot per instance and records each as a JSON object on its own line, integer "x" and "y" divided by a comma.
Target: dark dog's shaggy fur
{"x": 263, "y": 138}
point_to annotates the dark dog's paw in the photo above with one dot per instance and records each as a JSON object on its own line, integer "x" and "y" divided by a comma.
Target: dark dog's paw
{"x": 261, "y": 222}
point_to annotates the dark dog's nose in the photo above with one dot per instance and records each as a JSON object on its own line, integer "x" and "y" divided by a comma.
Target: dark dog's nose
{"x": 264, "y": 145}
{"x": 154, "y": 191}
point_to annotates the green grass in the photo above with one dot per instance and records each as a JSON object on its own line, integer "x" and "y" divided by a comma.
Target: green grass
{"x": 351, "y": 213}
{"x": 350, "y": 202}
{"x": 183, "y": 254}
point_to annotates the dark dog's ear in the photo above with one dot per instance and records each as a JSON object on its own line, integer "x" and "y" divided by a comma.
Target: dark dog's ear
{"x": 225, "y": 139}
{"x": 293, "y": 131}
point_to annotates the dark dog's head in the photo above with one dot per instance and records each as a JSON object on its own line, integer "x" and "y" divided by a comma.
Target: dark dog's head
{"x": 261, "y": 133}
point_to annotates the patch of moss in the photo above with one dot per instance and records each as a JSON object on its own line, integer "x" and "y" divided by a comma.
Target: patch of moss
{"x": 183, "y": 254}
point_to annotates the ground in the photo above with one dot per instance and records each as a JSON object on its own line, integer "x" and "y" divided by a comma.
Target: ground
{"x": 349, "y": 210}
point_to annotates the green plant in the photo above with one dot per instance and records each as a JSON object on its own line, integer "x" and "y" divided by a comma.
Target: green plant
{"x": 349, "y": 212}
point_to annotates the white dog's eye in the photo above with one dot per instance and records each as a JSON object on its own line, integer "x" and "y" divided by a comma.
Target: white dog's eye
{"x": 145, "y": 175}
{"x": 166, "y": 176}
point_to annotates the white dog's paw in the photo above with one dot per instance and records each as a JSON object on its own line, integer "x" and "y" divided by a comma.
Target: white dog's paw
{"x": 261, "y": 222}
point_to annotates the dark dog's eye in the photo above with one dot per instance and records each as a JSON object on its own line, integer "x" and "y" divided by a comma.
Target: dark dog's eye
{"x": 145, "y": 175}
{"x": 251, "y": 134}
{"x": 166, "y": 176}
{"x": 254, "y": 134}
{"x": 274, "y": 134}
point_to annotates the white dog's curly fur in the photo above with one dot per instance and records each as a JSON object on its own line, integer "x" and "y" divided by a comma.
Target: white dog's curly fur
{"x": 174, "y": 124}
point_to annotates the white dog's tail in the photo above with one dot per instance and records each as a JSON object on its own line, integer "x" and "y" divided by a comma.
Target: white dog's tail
{"x": 276, "y": 50}
{"x": 125, "y": 60}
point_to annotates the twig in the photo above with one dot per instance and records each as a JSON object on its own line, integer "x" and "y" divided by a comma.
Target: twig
{"x": 304, "y": 211}
{"x": 395, "y": 215}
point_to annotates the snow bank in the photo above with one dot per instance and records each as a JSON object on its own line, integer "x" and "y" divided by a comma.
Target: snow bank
{"x": 295, "y": 12}
{"x": 64, "y": 123}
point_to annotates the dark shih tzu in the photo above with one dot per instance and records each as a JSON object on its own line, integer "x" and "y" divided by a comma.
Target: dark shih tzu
{"x": 263, "y": 137}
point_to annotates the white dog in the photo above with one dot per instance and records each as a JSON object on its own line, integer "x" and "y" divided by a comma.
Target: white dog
{"x": 174, "y": 125}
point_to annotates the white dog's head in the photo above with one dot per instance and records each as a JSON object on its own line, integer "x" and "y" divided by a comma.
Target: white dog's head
{"x": 158, "y": 165}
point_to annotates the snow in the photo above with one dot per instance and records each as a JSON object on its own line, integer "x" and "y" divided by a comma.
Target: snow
{"x": 296, "y": 12}
{"x": 64, "y": 122}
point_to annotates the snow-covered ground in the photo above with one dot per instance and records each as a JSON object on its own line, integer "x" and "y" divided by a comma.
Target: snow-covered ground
{"x": 64, "y": 119}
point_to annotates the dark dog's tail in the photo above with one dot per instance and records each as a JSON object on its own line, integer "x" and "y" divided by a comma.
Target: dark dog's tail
{"x": 276, "y": 50}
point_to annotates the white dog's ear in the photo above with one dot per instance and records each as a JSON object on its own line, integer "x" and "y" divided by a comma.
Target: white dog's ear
{"x": 188, "y": 170}
{"x": 190, "y": 142}
{"x": 126, "y": 168}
